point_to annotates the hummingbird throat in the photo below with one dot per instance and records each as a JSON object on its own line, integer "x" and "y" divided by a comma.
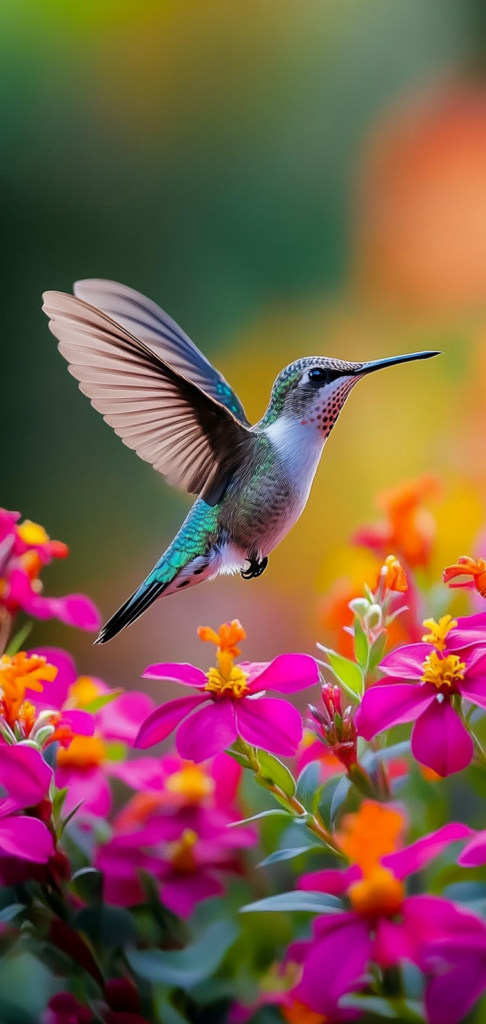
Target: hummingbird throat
{"x": 227, "y": 679}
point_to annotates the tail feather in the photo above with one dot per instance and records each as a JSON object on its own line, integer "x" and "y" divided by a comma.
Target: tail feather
{"x": 130, "y": 610}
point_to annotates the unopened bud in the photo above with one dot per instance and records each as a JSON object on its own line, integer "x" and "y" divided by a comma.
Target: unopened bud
{"x": 359, "y": 605}
{"x": 373, "y": 616}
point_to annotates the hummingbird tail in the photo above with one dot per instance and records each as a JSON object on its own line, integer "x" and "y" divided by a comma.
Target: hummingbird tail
{"x": 163, "y": 579}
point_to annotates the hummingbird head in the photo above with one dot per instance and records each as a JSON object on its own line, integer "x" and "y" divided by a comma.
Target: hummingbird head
{"x": 314, "y": 389}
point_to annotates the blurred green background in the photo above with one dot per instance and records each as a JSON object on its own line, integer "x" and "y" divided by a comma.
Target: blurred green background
{"x": 285, "y": 178}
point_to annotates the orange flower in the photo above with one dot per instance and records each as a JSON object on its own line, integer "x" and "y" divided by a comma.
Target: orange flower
{"x": 19, "y": 673}
{"x": 228, "y": 635}
{"x": 298, "y": 1013}
{"x": 467, "y": 566}
{"x": 393, "y": 575}
{"x": 370, "y": 834}
{"x": 409, "y": 528}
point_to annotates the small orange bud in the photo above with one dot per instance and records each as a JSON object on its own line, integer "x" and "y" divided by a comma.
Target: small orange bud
{"x": 393, "y": 575}
{"x": 467, "y": 566}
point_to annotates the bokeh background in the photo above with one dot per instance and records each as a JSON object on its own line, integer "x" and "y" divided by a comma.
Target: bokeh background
{"x": 285, "y": 178}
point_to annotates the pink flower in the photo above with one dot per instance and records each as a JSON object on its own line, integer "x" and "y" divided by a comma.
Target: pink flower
{"x": 83, "y": 759}
{"x": 26, "y": 778}
{"x": 421, "y": 682}
{"x": 234, "y": 703}
{"x": 381, "y": 924}
{"x": 25, "y": 549}
{"x": 187, "y": 853}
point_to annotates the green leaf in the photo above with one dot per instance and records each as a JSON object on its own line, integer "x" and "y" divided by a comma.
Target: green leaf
{"x": 186, "y": 967}
{"x": 290, "y": 854}
{"x": 361, "y": 645}
{"x": 326, "y": 796}
{"x": 396, "y": 750}
{"x": 338, "y": 798}
{"x": 270, "y": 813}
{"x": 18, "y": 641}
{"x": 377, "y": 651}
{"x": 237, "y": 756}
{"x": 109, "y": 927}
{"x": 308, "y": 785}
{"x": 69, "y": 818}
{"x": 403, "y": 1010}
{"x": 308, "y": 902}
{"x": 277, "y": 772}
{"x": 347, "y": 672}
{"x": 58, "y": 801}
{"x": 8, "y": 913}
{"x": 102, "y": 700}
{"x": 87, "y": 883}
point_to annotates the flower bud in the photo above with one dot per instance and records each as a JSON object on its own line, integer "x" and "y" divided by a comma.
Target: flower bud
{"x": 373, "y": 617}
{"x": 359, "y": 605}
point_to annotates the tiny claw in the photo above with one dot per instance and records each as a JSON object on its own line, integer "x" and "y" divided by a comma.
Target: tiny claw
{"x": 255, "y": 568}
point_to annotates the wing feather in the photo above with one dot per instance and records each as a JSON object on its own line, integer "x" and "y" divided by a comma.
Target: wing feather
{"x": 187, "y": 435}
{"x": 148, "y": 322}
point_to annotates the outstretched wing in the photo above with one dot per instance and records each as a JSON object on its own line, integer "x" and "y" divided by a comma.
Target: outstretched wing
{"x": 185, "y": 433}
{"x": 144, "y": 319}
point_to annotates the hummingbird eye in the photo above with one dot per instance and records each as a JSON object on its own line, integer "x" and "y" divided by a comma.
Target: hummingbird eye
{"x": 319, "y": 376}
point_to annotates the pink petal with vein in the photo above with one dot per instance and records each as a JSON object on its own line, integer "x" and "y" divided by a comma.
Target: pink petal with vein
{"x": 406, "y": 662}
{"x": 330, "y": 880}
{"x": 269, "y": 723}
{"x": 388, "y": 704}
{"x": 474, "y": 854}
{"x": 121, "y": 718}
{"x": 176, "y": 672}
{"x": 24, "y": 774}
{"x": 27, "y": 838}
{"x": 163, "y": 720}
{"x": 336, "y": 960}
{"x": 208, "y": 732}
{"x": 286, "y": 674}
{"x": 416, "y": 856}
{"x": 440, "y": 740}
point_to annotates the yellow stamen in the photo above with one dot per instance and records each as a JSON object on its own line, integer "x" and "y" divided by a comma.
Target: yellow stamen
{"x": 83, "y": 691}
{"x": 377, "y": 894}
{"x": 19, "y": 673}
{"x": 443, "y": 671}
{"x": 181, "y": 852}
{"x": 191, "y": 783}
{"x": 438, "y": 631}
{"x": 228, "y": 678}
{"x": 83, "y": 752}
{"x": 32, "y": 533}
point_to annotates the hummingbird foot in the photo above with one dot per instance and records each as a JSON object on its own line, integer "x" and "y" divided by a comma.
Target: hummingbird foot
{"x": 255, "y": 568}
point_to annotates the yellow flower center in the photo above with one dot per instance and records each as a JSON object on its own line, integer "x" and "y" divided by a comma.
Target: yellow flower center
{"x": 443, "y": 672}
{"x": 32, "y": 533}
{"x": 82, "y": 752}
{"x": 19, "y": 673}
{"x": 83, "y": 691}
{"x": 227, "y": 679}
{"x": 380, "y": 893}
{"x": 191, "y": 783}
{"x": 181, "y": 852}
{"x": 438, "y": 631}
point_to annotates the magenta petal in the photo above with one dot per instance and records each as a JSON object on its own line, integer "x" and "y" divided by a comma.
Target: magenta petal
{"x": 440, "y": 740}
{"x": 457, "y": 982}
{"x": 226, "y": 773}
{"x": 330, "y": 880}
{"x": 336, "y": 960}
{"x": 406, "y": 662}
{"x": 24, "y": 774}
{"x": 208, "y": 732}
{"x": 269, "y": 723}
{"x": 387, "y": 704}
{"x": 163, "y": 720}
{"x": 55, "y": 693}
{"x": 27, "y": 838}
{"x": 286, "y": 674}
{"x": 121, "y": 718}
{"x": 144, "y": 774}
{"x": 473, "y": 688}
{"x": 391, "y": 943}
{"x": 181, "y": 893}
{"x": 74, "y": 609}
{"x": 474, "y": 854}
{"x": 176, "y": 672}
{"x": 80, "y": 722}
{"x": 470, "y": 630}
{"x": 87, "y": 787}
{"x": 416, "y": 856}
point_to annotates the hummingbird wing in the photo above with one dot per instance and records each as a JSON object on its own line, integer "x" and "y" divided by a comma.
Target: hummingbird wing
{"x": 148, "y": 322}
{"x": 185, "y": 433}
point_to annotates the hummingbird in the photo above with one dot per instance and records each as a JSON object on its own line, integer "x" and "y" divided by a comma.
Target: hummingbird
{"x": 165, "y": 400}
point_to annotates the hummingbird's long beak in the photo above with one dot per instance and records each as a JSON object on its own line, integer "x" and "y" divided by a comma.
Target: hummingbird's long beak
{"x": 379, "y": 364}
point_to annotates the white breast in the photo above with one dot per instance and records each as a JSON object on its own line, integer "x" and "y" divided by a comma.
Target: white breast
{"x": 300, "y": 447}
